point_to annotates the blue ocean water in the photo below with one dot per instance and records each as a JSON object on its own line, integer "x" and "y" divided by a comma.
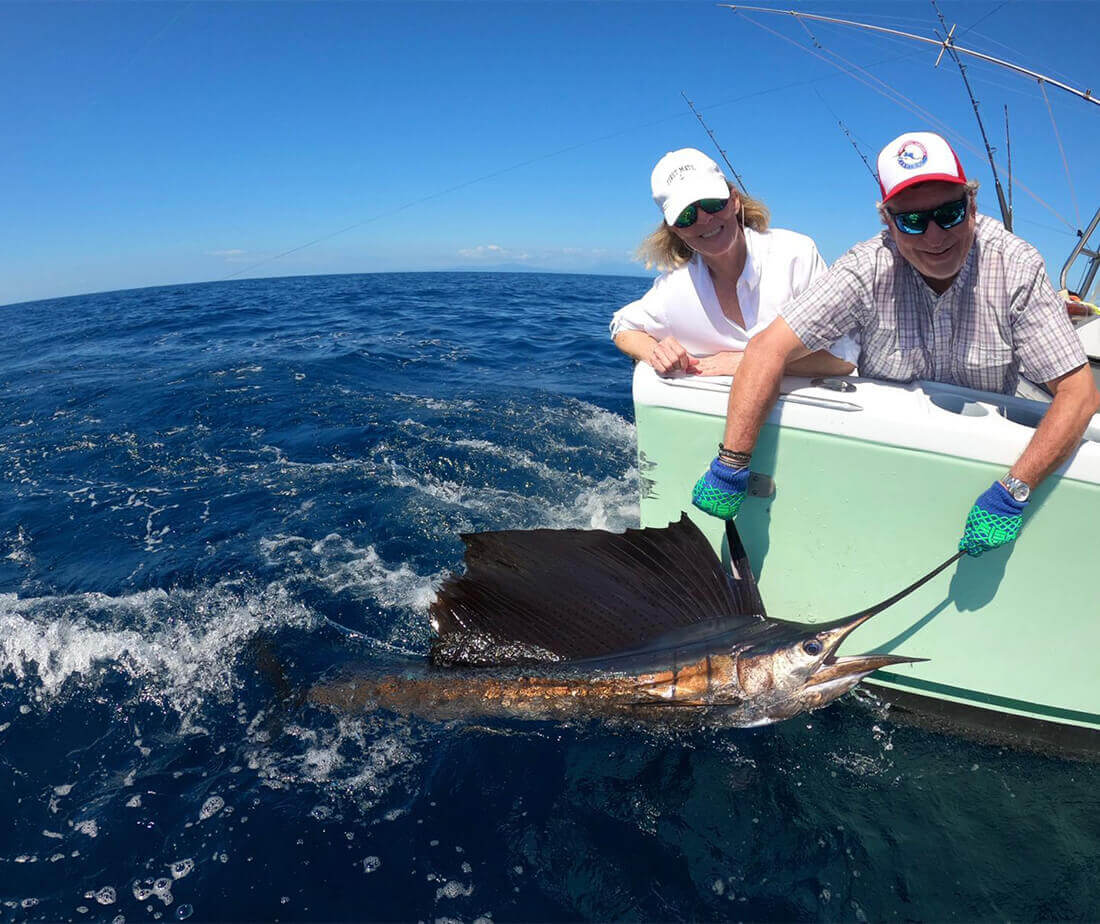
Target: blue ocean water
{"x": 202, "y": 481}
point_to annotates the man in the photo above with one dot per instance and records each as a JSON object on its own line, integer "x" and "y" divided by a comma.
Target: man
{"x": 943, "y": 294}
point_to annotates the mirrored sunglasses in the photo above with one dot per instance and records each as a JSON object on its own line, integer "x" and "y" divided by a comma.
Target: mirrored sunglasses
{"x": 687, "y": 217}
{"x": 946, "y": 216}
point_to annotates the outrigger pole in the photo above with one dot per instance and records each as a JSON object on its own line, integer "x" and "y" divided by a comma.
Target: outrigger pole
{"x": 948, "y": 44}
{"x": 945, "y": 44}
{"x": 949, "y": 47}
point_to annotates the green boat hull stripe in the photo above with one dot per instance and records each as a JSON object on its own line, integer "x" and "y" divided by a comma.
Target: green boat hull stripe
{"x": 988, "y": 699}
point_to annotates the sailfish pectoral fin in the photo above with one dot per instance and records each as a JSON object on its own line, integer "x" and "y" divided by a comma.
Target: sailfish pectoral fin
{"x": 742, "y": 581}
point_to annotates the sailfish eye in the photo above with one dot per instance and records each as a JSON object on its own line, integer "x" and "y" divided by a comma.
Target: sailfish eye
{"x": 812, "y": 646}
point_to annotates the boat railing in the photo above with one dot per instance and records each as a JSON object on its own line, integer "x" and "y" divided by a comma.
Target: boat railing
{"x": 1083, "y": 249}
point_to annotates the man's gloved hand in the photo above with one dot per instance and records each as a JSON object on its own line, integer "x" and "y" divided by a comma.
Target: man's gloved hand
{"x": 994, "y": 520}
{"x": 721, "y": 490}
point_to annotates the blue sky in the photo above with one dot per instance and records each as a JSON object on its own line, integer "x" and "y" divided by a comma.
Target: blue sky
{"x": 163, "y": 143}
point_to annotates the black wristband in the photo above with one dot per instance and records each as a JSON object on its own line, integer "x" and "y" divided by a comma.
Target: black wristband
{"x": 733, "y": 458}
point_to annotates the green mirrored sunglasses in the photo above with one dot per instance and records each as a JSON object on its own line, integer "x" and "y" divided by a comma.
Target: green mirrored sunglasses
{"x": 687, "y": 217}
{"x": 946, "y": 216}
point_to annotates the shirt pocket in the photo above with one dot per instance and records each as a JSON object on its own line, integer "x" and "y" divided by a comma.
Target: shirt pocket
{"x": 882, "y": 357}
{"x": 983, "y": 366}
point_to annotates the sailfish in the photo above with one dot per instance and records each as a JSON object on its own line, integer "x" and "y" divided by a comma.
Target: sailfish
{"x": 645, "y": 624}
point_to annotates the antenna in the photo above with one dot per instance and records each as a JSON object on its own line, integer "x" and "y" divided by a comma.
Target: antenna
{"x": 737, "y": 176}
{"x": 949, "y": 47}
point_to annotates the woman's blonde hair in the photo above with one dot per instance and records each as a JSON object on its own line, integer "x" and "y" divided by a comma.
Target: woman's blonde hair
{"x": 664, "y": 250}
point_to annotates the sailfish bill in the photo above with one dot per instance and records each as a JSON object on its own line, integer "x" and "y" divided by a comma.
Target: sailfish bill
{"x": 568, "y": 623}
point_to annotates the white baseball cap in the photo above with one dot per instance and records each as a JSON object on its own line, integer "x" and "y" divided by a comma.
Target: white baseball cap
{"x": 683, "y": 177}
{"x": 917, "y": 157}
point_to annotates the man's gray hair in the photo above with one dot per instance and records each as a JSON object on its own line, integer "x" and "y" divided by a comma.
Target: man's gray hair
{"x": 971, "y": 197}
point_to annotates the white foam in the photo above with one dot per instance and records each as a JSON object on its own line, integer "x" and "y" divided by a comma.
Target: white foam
{"x": 608, "y": 426}
{"x": 453, "y": 889}
{"x": 182, "y": 868}
{"x": 609, "y": 504}
{"x": 360, "y": 756}
{"x": 478, "y": 498}
{"x": 345, "y": 568}
{"x": 612, "y": 505}
{"x": 437, "y": 404}
{"x": 211, "y": 807}
{"x": 181, "y": 644}
{"x": 510, "y": 454}
{"x": 20, "y": 548}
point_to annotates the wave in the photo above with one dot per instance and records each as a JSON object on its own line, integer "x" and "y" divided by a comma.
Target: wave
{"x": 181, "y": 645}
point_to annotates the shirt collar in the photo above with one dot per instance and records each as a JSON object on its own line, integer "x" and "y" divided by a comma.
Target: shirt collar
{"x": 750, "y": 275}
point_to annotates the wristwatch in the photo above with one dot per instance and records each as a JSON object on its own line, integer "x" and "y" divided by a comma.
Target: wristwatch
{"x": 1020, "y": 490}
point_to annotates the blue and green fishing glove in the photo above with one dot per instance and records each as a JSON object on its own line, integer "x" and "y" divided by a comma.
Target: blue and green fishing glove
{"x": 994, "y": 520}
{"x": 721, "y": 490}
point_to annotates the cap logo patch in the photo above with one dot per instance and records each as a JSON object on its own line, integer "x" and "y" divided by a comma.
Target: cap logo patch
{"x": 678, "y": 173}
{"x": 912, "y": 155}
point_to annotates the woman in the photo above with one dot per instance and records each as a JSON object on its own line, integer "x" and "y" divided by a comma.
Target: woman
{"x": 726, "y": 277}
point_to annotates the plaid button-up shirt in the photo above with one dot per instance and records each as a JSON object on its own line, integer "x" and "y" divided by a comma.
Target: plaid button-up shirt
{"x": 999, "y": 319}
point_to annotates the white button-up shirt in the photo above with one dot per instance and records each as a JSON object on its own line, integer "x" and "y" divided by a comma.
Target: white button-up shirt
{"x": 779, "y": 265}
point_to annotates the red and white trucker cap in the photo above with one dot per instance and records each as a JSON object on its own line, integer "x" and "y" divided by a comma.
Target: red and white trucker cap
{"x": 917, "y": 157}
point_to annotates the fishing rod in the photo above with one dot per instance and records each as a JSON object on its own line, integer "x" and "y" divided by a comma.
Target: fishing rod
{"x": 737, "y": 176}
{"x": 848, "y": 134}
{"x": 862, "y": 156}
{"x": 945, "y": 43}
{"x": 949, "y": 47}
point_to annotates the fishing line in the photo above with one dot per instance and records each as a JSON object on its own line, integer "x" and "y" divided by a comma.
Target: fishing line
{"x": 984, "y": 18}
{"x": 526, "y": 163}
{"x": 1062, "y": 150}
{"x": 1061, "y": 75}
{"x": 884, "y": 89}
{"x": 843, "y": 127}
{"x": 80, "y": 112}
{"x": 1051, "y": 228}
{"x": 367, "y": 640}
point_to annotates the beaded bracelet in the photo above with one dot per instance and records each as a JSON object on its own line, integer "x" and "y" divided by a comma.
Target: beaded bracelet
{"x": 733, "y": 458}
